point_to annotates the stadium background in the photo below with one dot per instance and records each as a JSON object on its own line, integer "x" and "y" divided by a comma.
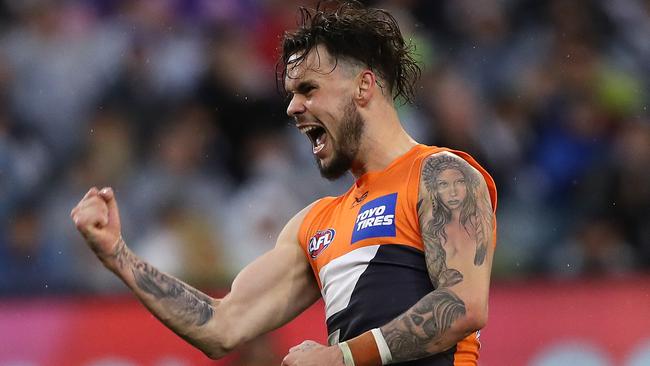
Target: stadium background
{"x": 174, "y": 104}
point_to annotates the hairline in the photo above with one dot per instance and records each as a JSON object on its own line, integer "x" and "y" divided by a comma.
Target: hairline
{"x": 352, "y": 65}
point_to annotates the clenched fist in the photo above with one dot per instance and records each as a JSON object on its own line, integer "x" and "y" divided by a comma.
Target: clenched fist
{"x": 310, "y": 353}
{"x": 97, "y": 218}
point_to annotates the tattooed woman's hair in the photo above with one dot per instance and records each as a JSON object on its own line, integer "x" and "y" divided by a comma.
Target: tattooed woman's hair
{"x": 441, "y": 213}
{"x": 370, "y": 37}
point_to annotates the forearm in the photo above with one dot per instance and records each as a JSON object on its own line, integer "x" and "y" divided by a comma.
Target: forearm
{"x": 434, "y": 324}
{"x": 183, "y": 309}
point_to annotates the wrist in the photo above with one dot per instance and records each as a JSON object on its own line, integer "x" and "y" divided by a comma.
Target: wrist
{"x": 112, "y": 260}
{"x": 368, "y": 349}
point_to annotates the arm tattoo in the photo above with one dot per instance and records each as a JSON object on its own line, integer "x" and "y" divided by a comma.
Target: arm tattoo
{"x": 409, "y": 336}
{"x": 189, "y": 305}
{"x": 453, "y": 195}
{"x": 186, "y": 304}
{"x": 456, "y": 194}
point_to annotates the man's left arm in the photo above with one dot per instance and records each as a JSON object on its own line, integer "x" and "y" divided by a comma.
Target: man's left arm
{"x": 459, "y": 248}
{"x": 456, "y": 222}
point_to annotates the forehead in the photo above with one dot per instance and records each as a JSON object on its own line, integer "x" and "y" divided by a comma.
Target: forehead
{"x": 317, "y": 64}
{"x": 450, "y": 173}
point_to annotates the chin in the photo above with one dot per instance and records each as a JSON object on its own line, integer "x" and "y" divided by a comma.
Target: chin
{"x": 334, "y": 169}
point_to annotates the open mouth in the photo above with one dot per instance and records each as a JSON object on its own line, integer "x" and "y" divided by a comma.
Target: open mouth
{"x": 317, "y": 135}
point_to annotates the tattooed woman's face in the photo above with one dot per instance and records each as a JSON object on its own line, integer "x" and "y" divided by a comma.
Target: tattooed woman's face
{"x": 451, "y": 188}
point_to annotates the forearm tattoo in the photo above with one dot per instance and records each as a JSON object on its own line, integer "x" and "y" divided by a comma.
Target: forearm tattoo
{"x": 184, "y": 303}
{"x": 453, "y": 198}
{"x": 410, "y": 335}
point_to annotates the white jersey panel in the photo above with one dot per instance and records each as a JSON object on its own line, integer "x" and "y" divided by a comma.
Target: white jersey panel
{"x": 339, "y": 277}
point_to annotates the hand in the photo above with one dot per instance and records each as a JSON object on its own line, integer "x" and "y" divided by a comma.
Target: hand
{"x": 310, "y": 353}
{"x": 98, "y": 220}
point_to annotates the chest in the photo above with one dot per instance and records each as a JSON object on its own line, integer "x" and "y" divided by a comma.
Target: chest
{"x": 362, "y": 220}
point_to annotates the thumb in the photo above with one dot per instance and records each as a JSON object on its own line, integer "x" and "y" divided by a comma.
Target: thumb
{"x": 108, "y": 196}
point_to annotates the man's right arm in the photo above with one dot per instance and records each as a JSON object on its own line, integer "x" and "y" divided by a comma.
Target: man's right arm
{"x": 266, "y": 294}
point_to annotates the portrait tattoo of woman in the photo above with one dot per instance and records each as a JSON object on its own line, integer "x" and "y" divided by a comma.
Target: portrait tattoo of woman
{"x": 452, "y": 186}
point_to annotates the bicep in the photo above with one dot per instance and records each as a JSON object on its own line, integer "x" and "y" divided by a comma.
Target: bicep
{"x": 456, "y": 222}
{"x": 274, "y": 288}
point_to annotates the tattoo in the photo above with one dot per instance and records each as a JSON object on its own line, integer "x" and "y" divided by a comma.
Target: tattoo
{"x": 191, "y": 306}
{"x": 436, "y": 261}
{"x": 454, "y": 189}
{"x": 409, "y": 336}
{"x": 187, "y": 304}
{"x": 452, "y": 202}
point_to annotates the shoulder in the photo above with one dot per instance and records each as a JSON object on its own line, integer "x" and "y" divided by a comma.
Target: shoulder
{"x": 294, "y": 226}
{"x": 443, "y": 162}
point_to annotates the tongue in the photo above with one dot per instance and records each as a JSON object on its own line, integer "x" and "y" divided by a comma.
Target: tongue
{"x": 320, "y": 143}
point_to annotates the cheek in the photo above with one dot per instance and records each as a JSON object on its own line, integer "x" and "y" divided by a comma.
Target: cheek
{"x": 441, "y": 192}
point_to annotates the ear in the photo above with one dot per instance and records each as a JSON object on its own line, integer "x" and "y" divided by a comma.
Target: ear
{"x": 366, "y": 87}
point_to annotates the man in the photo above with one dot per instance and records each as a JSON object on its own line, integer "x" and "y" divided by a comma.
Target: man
{"x": 404, "y": 280}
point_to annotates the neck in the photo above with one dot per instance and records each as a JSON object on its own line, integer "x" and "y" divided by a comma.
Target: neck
{"x": 383, "y": 141}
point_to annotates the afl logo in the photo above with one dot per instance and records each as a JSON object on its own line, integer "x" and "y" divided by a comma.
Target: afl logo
{"x": 320, "y": 241}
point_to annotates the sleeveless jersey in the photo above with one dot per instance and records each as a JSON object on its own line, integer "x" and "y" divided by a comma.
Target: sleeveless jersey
{"x": 366, "y": 252}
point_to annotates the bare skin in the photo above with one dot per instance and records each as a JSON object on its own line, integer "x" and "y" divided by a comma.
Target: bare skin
{"x": 268, "y": 293}
{"x": 279, "y": 285}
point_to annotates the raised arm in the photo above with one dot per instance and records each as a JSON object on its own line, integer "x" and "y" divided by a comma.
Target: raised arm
{"x": 456, "y": 221}
{"x": 266, "y": 294}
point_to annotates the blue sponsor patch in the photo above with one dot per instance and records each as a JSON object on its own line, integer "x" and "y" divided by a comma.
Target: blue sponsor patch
{"x": 376, "y": 219}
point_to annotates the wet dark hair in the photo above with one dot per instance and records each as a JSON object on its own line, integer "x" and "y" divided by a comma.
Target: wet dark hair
{"x": 347, "y": 29}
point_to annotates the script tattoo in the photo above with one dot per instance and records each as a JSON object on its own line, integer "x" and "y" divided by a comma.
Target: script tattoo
{"x": 451, "y": 193}
{"x": 187, "y": 304}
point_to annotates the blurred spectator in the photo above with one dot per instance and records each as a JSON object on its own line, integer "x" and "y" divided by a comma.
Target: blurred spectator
{"x": 29, "y": 262}
{"x": 24, "y": 162}
{"x": 596, "y": 248}
{"x": 262, "y": 206}
{"x": 60, "y": 58}
{"x": 186, "y": 244}
{"x": 105, "y": 158}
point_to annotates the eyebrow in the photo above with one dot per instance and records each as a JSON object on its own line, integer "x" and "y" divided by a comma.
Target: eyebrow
{"x": 303, "y": 87}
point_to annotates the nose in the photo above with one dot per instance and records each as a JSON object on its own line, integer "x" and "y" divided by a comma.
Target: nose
{"x": 296, "y": 106}
{"x": 452, "y": 191}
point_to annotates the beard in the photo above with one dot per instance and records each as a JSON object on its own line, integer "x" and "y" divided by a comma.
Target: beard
{"x": 345, "y": 145}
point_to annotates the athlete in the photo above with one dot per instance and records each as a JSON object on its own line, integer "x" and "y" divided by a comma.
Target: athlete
{"x": 402, "y": 259}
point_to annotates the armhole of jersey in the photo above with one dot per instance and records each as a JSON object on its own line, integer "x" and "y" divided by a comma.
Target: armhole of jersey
{"x": 303, "y": 238}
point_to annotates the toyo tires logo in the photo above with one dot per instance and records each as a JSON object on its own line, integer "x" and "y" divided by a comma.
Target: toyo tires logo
{"x": 320, "y": 241}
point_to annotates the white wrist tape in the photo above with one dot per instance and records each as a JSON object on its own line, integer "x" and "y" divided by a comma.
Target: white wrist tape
{"x": 347, "y": 354}
{"x": 384, "y": 351}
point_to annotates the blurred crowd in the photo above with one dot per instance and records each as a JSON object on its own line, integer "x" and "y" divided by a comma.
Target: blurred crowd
{"x": 174, "y": 104}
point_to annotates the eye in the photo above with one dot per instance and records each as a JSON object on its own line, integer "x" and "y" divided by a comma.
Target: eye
{"x": 308, "y": 90}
